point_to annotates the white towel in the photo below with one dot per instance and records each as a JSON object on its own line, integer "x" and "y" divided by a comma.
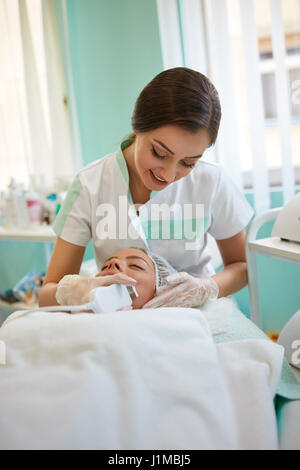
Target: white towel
{"x": 143, "y": 379}
{"x": 218, "y": 313}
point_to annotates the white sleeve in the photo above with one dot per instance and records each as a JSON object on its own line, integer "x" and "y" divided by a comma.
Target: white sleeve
{"x": 230, "y": 210}
{"x": 72, "y": 223}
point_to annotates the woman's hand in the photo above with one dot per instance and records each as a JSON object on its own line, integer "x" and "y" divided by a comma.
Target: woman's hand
{"x": 183, "y": 290}
{"x": 73, "y": 289}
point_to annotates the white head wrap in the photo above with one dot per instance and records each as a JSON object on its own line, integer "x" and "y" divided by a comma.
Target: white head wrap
{"x": 162, "y": 269}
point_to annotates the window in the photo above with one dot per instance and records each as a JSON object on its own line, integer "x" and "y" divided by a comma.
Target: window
{"x": 291, "y": 22}
{"x": 250, "y": 49}
{"x": 35, "y": 128}
{"x": 268, "y": 81}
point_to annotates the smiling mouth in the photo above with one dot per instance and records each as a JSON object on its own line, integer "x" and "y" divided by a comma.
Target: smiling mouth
{"x": 157, "y": 180}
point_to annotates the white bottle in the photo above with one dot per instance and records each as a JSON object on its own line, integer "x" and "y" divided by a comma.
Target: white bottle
{"x": 21, "y": 207}
{"x": 10, "y": 217}
{"x": 6, "y": 215}
{"x": 15, "y": 214}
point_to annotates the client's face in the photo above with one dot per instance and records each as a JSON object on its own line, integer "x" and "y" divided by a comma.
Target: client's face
{"x": 136, "y": 264}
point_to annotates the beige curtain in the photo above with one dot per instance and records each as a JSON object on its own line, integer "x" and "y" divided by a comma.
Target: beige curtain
{"x": 35, "y": 131}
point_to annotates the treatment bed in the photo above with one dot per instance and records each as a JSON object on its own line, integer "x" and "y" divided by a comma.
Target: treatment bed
{"x": 170, "y": 378}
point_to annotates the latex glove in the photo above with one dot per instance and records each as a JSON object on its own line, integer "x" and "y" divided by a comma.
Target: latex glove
{"x": 73, "y": 289}
{"x": 184, "y": 290}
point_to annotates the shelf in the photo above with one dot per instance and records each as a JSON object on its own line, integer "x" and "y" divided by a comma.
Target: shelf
{"x": 276, "y": 248}
{"x": 44, "y": 233}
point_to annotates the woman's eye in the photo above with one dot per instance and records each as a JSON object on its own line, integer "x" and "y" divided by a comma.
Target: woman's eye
{"x": 154, "y": 152}
{"x": 188, "y": 165}
{"x": 136, "y": 266}
{"x": 161, "y": 157}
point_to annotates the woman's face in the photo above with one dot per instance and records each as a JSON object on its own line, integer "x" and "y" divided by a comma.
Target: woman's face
{"x": 136, "y": 264}
{"x": 167, "y": 154}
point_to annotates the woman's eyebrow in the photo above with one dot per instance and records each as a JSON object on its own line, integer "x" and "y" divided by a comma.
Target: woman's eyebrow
{"x": 128, "y": 257}
{"x": 139, "y": 257}
{"x": 164, "y": 146}
{"x": 167, "y": 148}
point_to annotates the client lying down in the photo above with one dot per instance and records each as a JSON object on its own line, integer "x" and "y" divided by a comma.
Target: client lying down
{"x": 149, "y": 273}
{"x": 130, "y": 266}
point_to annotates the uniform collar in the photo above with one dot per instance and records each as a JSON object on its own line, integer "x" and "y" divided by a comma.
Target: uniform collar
{"x": 123, "y": 167}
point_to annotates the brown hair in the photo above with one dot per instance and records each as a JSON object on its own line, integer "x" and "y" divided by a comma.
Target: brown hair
{"x": 178, "y": 96}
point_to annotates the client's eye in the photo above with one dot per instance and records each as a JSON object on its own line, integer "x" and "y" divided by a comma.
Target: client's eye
{"x": 136, "y": 266}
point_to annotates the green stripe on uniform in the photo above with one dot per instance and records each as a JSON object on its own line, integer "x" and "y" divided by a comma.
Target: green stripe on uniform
{"x": 71, "y": 197}
{"x": 123, "y": 167}
{"x": 182, "y": 229}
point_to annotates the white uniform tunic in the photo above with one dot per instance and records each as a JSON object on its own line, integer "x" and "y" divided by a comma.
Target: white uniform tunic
{"x": 173, "y": 223}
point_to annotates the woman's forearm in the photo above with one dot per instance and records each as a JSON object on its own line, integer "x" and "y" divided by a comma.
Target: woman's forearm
{"x": 48, "y": 295}
{"x": 232, "y": 278}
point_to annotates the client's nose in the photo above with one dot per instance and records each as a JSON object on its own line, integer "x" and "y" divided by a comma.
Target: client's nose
{"x": 115, "y": 265}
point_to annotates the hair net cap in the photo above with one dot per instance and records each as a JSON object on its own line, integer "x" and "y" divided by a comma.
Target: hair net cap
{"x": 162, "y": 269}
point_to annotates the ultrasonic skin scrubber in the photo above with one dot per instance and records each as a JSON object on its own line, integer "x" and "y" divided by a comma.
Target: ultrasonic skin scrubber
{"x": 111, "y": 298}
{"x": 104, "y": 299}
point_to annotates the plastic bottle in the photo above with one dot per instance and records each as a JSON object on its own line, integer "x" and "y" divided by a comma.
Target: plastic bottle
{"x": 34, "y": 207}
{"x": 50, "y": 206}
{"x": 14, "y": 209}
{"x": 6, "y": 215}
{"x": 21, "y": 206}
{"x": 10, "y": 219}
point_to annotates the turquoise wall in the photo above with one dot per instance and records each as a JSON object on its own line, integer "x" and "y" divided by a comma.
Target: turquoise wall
{"x": 115, "y": 51}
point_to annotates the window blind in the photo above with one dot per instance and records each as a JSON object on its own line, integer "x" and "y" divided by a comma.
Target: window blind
{"x": 247, "y": 136}
{"x": 255, "y": 106}
{"x": 282, "y": 99}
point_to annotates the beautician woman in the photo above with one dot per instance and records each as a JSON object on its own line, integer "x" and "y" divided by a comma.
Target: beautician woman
{"x": 175, "y": 119}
